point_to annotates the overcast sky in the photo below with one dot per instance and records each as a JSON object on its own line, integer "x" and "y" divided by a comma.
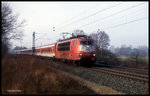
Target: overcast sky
{"x": 124, "y": 22}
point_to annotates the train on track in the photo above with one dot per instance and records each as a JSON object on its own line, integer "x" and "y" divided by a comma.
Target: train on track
{"x": 80, "y": 49}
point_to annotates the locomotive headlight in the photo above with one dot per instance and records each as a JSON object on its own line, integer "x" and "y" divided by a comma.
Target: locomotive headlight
{"x": 80, "y": 54}
{"x": 93, "y": 54}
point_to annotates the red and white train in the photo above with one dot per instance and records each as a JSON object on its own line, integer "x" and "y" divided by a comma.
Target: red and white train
{"x": 73, "y": 49}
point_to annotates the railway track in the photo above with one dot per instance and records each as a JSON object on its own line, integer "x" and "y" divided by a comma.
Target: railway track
{"x": 115, "y": 72}
{"x": 121, "y": 68}
{"x": 124, "y": 73}
{"x": 128, "y": 75}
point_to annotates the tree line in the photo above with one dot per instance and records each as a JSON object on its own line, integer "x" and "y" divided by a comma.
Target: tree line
{"x": 11, "y": 28}
{"x": 125, "y": 50}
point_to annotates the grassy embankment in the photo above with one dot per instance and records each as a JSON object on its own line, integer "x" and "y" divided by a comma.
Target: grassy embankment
{"x": 31, "y": 75}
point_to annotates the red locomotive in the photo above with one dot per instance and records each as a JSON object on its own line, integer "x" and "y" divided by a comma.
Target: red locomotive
{"x": 76, "y": 49}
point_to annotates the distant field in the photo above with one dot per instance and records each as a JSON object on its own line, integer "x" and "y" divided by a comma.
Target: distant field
{"x": 122, "y": 57}
{"x": 31, "y": 75}
{"x": 125, "y": 58}
{"x": 128, "y": 62}
{"x": 145, "y": 58}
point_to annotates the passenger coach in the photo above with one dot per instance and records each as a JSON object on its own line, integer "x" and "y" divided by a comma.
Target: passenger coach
{"x": 47, "y": 51}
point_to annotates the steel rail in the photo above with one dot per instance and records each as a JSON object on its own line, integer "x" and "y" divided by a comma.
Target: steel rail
{"x": 120, "y": 74}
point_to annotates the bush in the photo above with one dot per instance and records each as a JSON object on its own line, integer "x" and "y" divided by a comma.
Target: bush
{"x": 107, "y": 57}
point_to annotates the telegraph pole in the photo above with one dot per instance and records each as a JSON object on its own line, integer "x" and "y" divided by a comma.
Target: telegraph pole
{"x": 33, "y": 44}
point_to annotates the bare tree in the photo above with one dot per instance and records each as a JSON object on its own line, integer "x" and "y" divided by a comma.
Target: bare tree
{"x": 138, "y": 53}
{"x": 102, "y": 41}
{"x": 11, "y": 28}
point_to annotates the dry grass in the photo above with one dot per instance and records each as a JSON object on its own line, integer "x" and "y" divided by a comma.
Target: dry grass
{"x": 30, "y": 75}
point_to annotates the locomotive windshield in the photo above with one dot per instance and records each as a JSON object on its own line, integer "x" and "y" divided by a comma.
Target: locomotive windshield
{"x": 86, "y": 42}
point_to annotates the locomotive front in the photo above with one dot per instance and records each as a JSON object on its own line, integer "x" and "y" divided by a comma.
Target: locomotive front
{"x": 87, "y": 50}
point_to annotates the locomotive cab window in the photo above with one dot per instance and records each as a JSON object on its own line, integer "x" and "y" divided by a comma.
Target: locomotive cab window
{"x": 86, "y": 42}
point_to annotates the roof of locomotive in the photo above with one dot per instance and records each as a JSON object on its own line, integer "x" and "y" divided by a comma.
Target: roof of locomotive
{"x": 77, "y": 37}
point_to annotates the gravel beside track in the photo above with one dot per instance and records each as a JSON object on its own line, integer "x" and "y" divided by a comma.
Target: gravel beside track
{"x": 120, "y": 84}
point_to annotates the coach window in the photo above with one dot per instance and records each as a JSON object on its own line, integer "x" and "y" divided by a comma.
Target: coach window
{"x": 75, "y": 42}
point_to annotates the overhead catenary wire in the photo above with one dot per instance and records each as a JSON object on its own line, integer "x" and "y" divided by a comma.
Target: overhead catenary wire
{"x": 111, "y": 15}
{"x": 78, "y": 14}
{"x": 126, "y": 23}
{"x": 43, "y": 39}
{"x": 121, "y": 12}
{"x": 117, "y": 25}
{"x": 93, "y": 14}
{"x": 126, "y": 16}
{"x": 123, "y": 23}
{"x": 41, "y": 36}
